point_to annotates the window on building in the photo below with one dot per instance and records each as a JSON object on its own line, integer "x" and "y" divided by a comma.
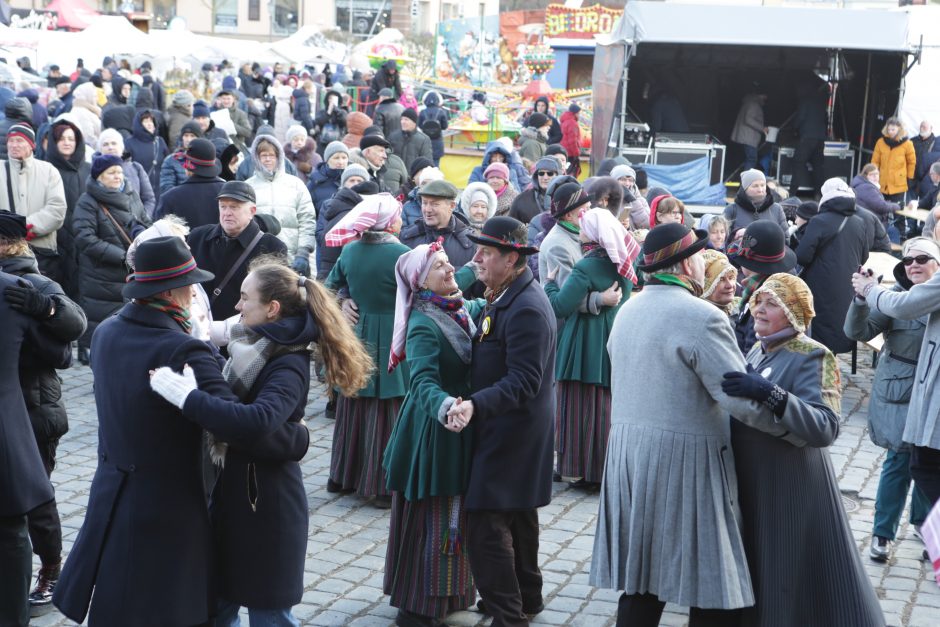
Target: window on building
{"x": 254, "y": 10}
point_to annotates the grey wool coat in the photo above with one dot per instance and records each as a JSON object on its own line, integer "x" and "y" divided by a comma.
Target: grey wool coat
{"x": 562, "y": 249}
{"x": 923, "y": 424}
{"x": 894, "y": 376}
{"x": 669, "y": 520}
{"x": 804, "y": 564}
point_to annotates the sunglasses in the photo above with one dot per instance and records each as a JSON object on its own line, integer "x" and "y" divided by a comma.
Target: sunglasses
{"x": 545, "y": 173}
{"x": 920, "y": 259}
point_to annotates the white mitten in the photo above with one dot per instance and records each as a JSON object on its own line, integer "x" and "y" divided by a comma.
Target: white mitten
{"x": 174, "y": 387}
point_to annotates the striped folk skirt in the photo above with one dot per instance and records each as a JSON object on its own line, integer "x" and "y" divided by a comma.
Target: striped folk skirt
{"x": 426, "y": 567}
{"x": 582, "y": 423}
{"x": 360, "y": 435}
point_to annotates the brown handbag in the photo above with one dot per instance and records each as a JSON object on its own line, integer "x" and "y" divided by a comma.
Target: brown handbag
{"x": 117, "y": 225}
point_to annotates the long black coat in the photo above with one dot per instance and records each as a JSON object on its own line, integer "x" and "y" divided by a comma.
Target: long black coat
{"x": 147, "y": 504}
{"x": 194, "y": 200}
{"x": 261, "y": 553}
{"x": 41, "y": 386}
{"x": 512, "y": 375}
{"x": 101, "y": 248}
{"x": 829, "y": 261}
{"x": 335, "y": 208}
{"x": 216, "y": 252}
{"x": 74, "y": 172}
{"x": 148, "y": 149}
{"x": 23, "y": 484}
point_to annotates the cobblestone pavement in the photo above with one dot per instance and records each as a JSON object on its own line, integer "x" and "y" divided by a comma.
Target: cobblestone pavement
{"x": 346, "y": 548}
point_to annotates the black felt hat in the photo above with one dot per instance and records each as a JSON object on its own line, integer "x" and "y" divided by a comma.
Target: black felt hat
{"x": 200, "y": 158}
{"x": 764, "y": 248}
{"x": 500, "y": 232}
{"x": 670, "y": 243}
{"x": 12, "y": 225}
{"x": 161, "y": 264}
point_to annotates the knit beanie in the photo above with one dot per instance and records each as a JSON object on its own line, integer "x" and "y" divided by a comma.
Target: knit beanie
{"x": 353, "y": 169}
{"x": 621, "y": 171}
{"x": 835, "y": 188}
{"x": 749, "y": 177}
{"x": 102, "y": 162}
{"x": 229, "y": 83}
{"x": 500, "y": 170}
{"x": 183, "y": 97}
{"x": 538, "y": 120}
{"x": 294, "y": 130}
{"x": 807, "y": 209}
{"x": 411, "y": 114}
{"x": 200, "y": 109}
{"x": 419, "y": 164}
{"x": 333, "y": 148}
{"x": 547, "y": 163}
{"x": 25, "y": 131}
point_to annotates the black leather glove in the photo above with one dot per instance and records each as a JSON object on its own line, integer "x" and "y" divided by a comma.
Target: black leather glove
{"x": 28, "y": 300}
{"x": 752, "y": 385}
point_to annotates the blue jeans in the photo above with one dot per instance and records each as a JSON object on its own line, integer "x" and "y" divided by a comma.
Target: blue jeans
{"x": 750, "y": 157}
{"x": 893, "y": 487}
{"x": 228, "y": 617}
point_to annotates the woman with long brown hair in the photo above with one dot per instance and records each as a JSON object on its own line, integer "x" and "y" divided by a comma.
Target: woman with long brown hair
{"x": 259, "y": 504}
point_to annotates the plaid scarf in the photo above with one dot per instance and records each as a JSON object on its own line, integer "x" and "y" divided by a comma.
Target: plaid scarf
{"x": 681, "y": 280}
{"x": 179, "y": 315}
{"x": 749, "y": 285}
{"x": 451, "y": 305}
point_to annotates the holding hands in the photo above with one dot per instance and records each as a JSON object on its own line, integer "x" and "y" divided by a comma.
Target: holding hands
{"x": 459, "y": 415}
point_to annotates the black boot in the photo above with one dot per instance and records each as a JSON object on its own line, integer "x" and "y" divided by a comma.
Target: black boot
{"x": 84, "y": 358}
{"x": 40, "y": 598}
{"x": 410, "y": 619}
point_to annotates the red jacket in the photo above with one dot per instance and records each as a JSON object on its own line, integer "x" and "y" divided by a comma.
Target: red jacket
{"x": 570, "y": 134}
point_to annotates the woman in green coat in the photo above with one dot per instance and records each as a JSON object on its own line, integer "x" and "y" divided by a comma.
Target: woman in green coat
{"x": 365, "y": 274}
{"x": 427, "y": 574}
{"x": 582, "y": 366}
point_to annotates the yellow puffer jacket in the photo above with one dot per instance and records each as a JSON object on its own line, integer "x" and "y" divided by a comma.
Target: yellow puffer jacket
{"x": 895, "y": 164}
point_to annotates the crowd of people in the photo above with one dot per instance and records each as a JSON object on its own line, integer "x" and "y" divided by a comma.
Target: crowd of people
{"x": 477, "y": 344}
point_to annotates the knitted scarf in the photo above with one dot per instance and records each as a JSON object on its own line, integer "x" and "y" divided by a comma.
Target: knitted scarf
{"x": 249, "y": 353}
{"x": 749, "y": 285}
{"x": 571, "y": 228}
{"x": 451, "y": 305}
{"x": 681, "y": 280}
{"x": 179, "y": 315}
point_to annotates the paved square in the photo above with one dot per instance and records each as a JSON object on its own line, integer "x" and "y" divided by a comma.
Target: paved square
{"x": 346, "y": 548}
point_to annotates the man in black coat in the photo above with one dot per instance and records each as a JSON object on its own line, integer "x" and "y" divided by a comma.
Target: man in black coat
{"x": 836, "y": 243}
{"x": 194, "y": 199}
{"x": 24, "y": 485}
{"x": 145, "y": 547}
{"x": 512, "y": 407}
{"x": 63, "y": 322}
{"x": 387, "y": 78}
{"x": 408, "y": 142}
{"x": 810, "y": 124}
{"x": 342, "y": 202}
{"x": 219, "y": 248}
{"x": 438, "y": 200}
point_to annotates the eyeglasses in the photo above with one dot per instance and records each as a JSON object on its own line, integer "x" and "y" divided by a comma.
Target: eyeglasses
{"x": 545, "y": 173}
{"x": 920, "y": 259}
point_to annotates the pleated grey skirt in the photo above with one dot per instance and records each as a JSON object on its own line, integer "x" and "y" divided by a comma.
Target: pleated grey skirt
{"x": 668, "y": 519}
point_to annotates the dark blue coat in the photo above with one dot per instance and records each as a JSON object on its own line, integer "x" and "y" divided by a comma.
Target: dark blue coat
{"x": 323, "y": 183}
{"x": 434, "y": 112}
{"x": 302, "y": 110}
{"x": 147, "y": 505}
{"x": 23, "y": 482}
{"x": 261, "y": 553}
{"x": 193, "y": 200}
{"x": 512, "y": 375}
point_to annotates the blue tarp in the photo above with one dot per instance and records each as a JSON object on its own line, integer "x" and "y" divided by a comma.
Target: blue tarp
{"x": 689, "y": 182}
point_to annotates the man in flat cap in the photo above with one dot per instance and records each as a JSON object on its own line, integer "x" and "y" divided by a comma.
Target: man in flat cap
{"x": 438, "y": 200}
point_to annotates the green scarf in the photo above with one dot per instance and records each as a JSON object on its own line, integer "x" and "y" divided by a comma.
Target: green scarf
{"x": 571, "y": 228}
{"x": 750, "y": 285}
{"x": 681, "y": 280}
{"x": 179, "y": 315}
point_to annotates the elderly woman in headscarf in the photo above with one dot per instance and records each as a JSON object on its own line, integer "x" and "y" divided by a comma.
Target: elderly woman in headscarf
{"x": 721, "y": 281}
{"x": 582, "y": 420}
{"x": 427, "y": 573}
{"x": 891, "y": 392}
{"x": 364, "y": 276}
{"x": 801, "y": 554}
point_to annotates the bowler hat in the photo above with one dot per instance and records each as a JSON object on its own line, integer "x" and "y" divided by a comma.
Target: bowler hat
{"x": 670, "y": 243}
{"x": 238, "y": 190}
{"x": 501, "y": 232}
{"x": 200, "y": 158}
{"x": 161, "y": 264}
{"x": 438, "y": 189}
{"x": 764, "y": 249}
